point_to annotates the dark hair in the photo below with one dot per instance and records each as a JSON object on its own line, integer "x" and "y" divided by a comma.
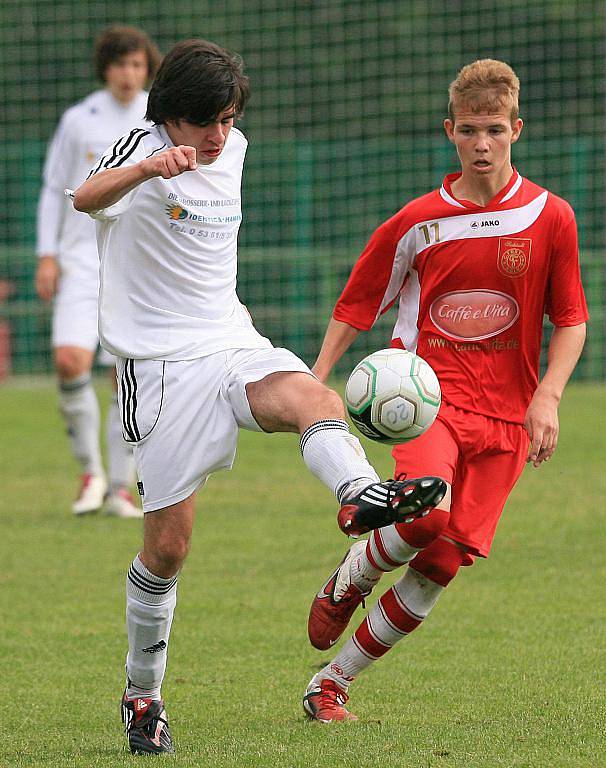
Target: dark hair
{"x": 196, "y": 82}
{"x": 116, "y": 41}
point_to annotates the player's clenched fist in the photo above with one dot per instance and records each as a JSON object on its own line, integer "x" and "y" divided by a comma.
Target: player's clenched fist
{"x": 107, "y": 187}
{"x": 172, "y": 162}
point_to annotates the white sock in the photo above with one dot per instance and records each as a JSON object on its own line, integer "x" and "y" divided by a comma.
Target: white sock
{"x": 399, "y": 611}
{"x": 120, "y": 460}
{"x": 150, "y": 605}
{"x": 335, "y": 456}
{"x": 80, "y": 409}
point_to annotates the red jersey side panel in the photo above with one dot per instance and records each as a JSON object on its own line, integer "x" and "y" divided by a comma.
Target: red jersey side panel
{"x": 473, "y": 285}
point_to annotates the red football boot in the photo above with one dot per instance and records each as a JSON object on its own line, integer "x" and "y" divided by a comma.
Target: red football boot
{"x": 335, "y": 603}
{"x": 325, "y": 701}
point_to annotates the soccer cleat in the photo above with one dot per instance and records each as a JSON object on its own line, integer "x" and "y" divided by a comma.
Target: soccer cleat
{"x": 394, "y": 501}
{"x": 122, "y": 504}
{"x": 335, "y": 603}
{"x": 91, "y": 495}
{"x": 325, "y": 701}
{"x": 146, "y": 726}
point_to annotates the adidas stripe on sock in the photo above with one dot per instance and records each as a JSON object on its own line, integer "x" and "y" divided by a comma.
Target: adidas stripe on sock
{"x": 145, "y": 586}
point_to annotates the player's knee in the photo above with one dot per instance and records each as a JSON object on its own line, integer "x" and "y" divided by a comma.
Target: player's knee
{"x": 331, "y": 403}
{"x": 169, "y": 552}
{"x": 69, "y": 363}
{"x": 440, "y": 561}
{"x": 317, "y": 402}
{"x": 424, "y": 530}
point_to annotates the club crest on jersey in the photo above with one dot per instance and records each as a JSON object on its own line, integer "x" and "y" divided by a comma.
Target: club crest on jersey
{"x": 176, "y": 212}
{"x": 513, "y": 259}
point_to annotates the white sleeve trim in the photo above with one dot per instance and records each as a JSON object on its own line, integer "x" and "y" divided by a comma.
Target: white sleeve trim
{"x": 404, "y": 258}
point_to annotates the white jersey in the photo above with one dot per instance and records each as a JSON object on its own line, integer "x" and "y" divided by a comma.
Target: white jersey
{"x": 83, "y": 134}
{"x": 169, "y": 257}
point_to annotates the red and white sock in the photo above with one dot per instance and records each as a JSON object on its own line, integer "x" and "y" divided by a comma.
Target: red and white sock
{"x": 399, "y": 611}
{"x": 395, "y": 545}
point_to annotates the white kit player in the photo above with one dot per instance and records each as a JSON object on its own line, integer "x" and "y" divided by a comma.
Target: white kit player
{"x": 68, "y": 267}
{"x": 192, "y": 368}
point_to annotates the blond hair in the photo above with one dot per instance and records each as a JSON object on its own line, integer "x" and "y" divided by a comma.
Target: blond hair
{"x": 486, "y": 85}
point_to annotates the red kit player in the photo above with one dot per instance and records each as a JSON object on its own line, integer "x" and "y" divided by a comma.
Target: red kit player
{"x": 474, "y": 266}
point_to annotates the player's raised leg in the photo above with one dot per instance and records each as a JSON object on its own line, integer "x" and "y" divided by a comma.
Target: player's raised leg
{"x": 354, "y": 578}
{"x": 79, "y": 407}
{"x": 398, "y": 613}
{"x": 434, "y": 452}
{"x": 293, "y": 401}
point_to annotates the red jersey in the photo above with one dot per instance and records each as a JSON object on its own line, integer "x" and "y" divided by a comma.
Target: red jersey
{"x": 473, "y": 284}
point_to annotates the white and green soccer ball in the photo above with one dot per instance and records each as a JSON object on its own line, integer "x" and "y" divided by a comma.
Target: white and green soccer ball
{"x": 393, "y": 396}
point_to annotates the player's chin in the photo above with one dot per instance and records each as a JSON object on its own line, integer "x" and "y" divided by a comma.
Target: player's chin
{"x": 128, "y": 92}
{"x": 206, "y": 158}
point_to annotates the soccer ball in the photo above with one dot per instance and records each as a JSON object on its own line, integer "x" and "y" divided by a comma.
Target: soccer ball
{"x": 393, "y": 396}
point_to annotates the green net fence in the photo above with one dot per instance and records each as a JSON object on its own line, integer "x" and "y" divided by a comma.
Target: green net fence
{"x": 344, "y": 127}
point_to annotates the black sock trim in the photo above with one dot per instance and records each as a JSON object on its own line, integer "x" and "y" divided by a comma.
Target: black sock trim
{"x": 145, "y": 584}
{"x": 319, "y": 426}
{"x": 75, "y": 384}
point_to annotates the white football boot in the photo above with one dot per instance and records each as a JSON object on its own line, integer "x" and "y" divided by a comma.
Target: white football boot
{"x": 91, "y": 495}
{"x": 122, "y": 504}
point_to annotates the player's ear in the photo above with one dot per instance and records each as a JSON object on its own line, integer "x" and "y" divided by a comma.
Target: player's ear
{"x": 449, "y": 129}
{"x": 516, "y": 130}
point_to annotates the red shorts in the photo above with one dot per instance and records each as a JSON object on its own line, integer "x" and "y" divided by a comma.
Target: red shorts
{"x": 481, "y": 458}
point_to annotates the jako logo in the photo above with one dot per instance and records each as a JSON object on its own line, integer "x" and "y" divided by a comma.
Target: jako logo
{"x": 155, "y": 648}
{"x": 485, "y": 223}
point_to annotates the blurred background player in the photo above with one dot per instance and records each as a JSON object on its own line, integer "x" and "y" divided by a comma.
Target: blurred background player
{"x": 475, "y": 265}
{"x": 125, "y": 59}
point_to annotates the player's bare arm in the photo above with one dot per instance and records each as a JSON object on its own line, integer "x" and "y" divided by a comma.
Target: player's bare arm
{"x": 541, "y": 420}
{"x": 108, "y": 187}
{"x": 47, "y": 276}
{"x": 338, "y": 338}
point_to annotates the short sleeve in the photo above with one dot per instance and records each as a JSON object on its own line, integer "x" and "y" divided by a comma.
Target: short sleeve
{"x": 566, "y": 305}
{"x": 127, "y": 150}
{"x": 377, "y": 277}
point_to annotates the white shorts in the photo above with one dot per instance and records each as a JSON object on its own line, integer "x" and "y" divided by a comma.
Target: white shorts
{"x": 75, "y": 322}
{"x": 182, "y": 418}
{"x": 75, "y": 315}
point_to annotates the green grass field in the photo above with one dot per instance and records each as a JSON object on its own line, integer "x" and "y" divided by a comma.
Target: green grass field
{"x": 508, "y": 670}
